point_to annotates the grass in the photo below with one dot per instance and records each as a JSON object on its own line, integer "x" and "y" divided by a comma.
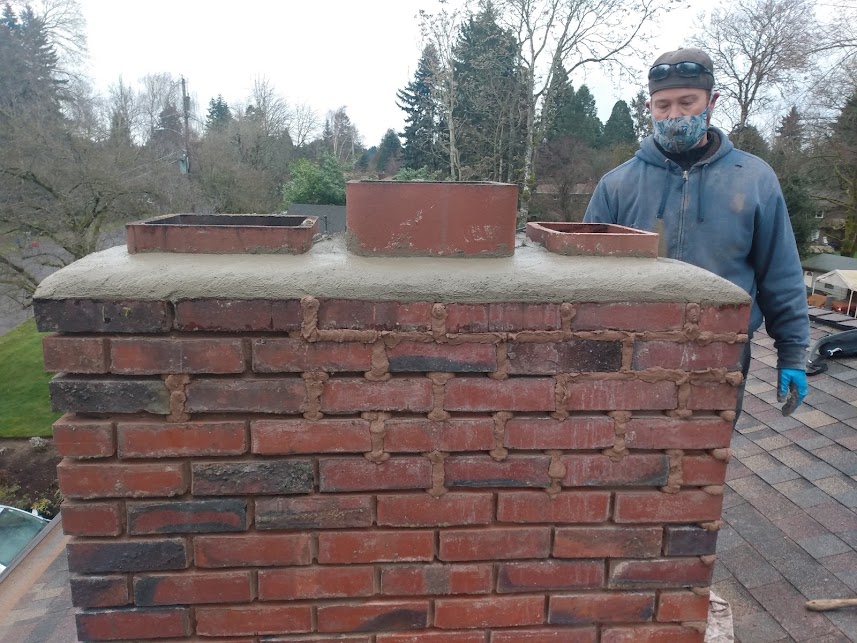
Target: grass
{"x": 25, "y": 406}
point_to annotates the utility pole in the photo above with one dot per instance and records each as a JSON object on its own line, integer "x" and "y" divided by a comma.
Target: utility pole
{"x": 186, "y": 110}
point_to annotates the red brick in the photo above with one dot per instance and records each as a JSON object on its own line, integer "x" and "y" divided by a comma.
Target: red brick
{"x": 315, "y": 512}
{"x": 99, "y": 591}
{"x": 91, "y": 518}
{"x": 550, "y": 576}
{"x": 579, "y": 355}
{"x": 702, "y": 470}
{"x": 499, "y": 543}
{"x": 224, "y": 314}
{"x": 607, "y": 542}
{"x": 359, "y": 474}
{"x": 187, "y": 589}
{"x": 161, "y": 440}
{"x": 78, "y": 438}
{"x": 435, "y": 580}
{"x": 407, "y": 316}
{"x": 599, "y": 470}
{"x": 432, "y": 637}
{"x": 484, "y": 471}
{"x": 380, "y": 315}
{"x": 653, "y": 506}
{"x": 373, "y": 616}
{"x": 473, "y": 394}
{"x": 682, "y": 606}
{"x": 633, "y": 316}
{"x": 355, "y": 395}
{"x": 121, "y": 480}
{"x": 576, "y": 432}
{"x": 133, "y": 624}
{"x": 659, "y": 573}
{"x": 613, "y": 607}
{"x": 253, "y": 620}
{"x": 297, "y": 355}
{"x": 100, "y": 316}
{"x": 286, "y": 437}
{"x": 75, "y": 354}
{"x": 628, "y": 395}
{"x": 421, "y": 435}
{"x": 253, "y": 550}
{"x": 256, "y": 477}
{"x": 286, "y": 315}
{"x": 152, "y": 356}
{"x": 467, "y": 318}
{"x": 546, "y": 635}
{"x": 496, "y": 611}
{"x": 676, "y": 433}
{"x": 349, "y": 547}
{"x": 187, "y": 516}
{"x": 117, "y": 556}
{"x": 512, "y": 317}
{"x": 417, "y": 357}
{"x": 686, "y": 356}
{"x": 712, "y": 397}
{"x": 651, "y": 634}
{"x": 306, "y": 583}
{"x": 284, "y": 395}
{"x": 565, "y": 507}
{"x": 423, "y": 510}
{"x": 725, "y": 319}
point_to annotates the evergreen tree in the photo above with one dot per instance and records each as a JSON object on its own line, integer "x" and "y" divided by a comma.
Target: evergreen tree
{"x": 579, "y": 117}
{"x": 422, "y": 116}
{"x": 802, "y": 210}
{"x": 619, "y": 128}
{"x": 389, "y": 152}
{"x": 843, "y": 149}
{"x": 320, "y": 184}
{"x": 560, "y": 94}
{"x": 640, "y": 114}
{"x": 219, "y": 115}
{"x": 748, "y": 138}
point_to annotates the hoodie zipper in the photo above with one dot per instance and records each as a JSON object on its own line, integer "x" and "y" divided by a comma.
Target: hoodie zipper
{"x": 681, "y": 218}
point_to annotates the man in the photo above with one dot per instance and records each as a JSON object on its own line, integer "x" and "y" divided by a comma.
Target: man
{"x": 715, "y": 206}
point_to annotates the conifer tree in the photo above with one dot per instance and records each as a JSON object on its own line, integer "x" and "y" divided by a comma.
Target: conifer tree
{"x": 423, "y": 128}
{"x": 619, "y": 128}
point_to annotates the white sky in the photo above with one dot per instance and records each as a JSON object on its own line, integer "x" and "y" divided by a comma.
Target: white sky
{"x": 325, "y": 52}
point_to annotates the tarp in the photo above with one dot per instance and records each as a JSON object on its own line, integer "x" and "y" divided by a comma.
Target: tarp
{"x": 841, "y": 278}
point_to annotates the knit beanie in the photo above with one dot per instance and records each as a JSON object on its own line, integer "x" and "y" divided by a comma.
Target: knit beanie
{"x": 703, "y": 81}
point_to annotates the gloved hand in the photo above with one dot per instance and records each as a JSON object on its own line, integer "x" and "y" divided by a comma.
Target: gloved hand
{"x": 792, "y": 379}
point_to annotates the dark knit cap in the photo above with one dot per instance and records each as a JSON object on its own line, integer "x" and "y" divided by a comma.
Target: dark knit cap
{"x": 703, "y": 81}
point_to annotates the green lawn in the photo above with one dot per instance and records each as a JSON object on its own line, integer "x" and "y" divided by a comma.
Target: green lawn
{"x": 25, "y": 407}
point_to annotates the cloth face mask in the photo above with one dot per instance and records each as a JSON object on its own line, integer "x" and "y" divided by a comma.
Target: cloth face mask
{"x": 681, "y": 133}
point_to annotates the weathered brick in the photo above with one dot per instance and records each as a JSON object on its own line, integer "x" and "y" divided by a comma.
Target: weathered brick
{"x": 565, "y": 507}
{"x": 284, "y": 395}
{"x": 101, "y": 557}
{"x": 599, "y": 470}
{"x": 253, "y": 620}
{"x": 169, "y": 440}
{"x": 286, "y": 315}
{"x": 653, "y": 506}
{"x": 190, "y": 589}
{"x": 484, "y": 471}
{"x": 511, "y": 317}
{"x": 576, "y": 432}
{"x": 153, "y": 356}
{"x": 689, "y": 540}
{"x": 702, "y": 470}
{"x": 252, "y": 477}
{"x": 252, "y": 550}
{"x": 613, "y": 607}
{"x": 287, "y": 437}
{"x": 423, "y": 510}
{"x": 496, "y": 611}
{"x": 473, "y": 394}
{"x": 546, "y": 635}
{"x": 99, "y": 591}
{"x": 436, "y": 580}
{"x": 659, "y": 573}
{"x": 80, "y": 438}
{"x": 629, "y": 316}
{"x": 304, "y": 583}
{"x": 225, "y": 315}
{"x": 371, "y": 315}
{"x": 133, "y": 624}
{"x": 467, "y": 318}
{"x": 686, "y": 356}
{"x": 729, "y": 318}
{"x": 421, "y": 435}
{"x": 682, "y": 606}
{"x": 428, "y": 636}
{"x": 612, "y": 395}
{"x": 651, "y": 634}
{"x": 314, "y": 512}
{"x": 91, "y": 518}
{"x": 351, "y": 395}
{"x": 350, "y": 547}
{"x": 297, "y": 355}
{"x": 549, "y": 576}
{"x": 65, "y": 354}
{"x": 93, "y": 316}
{"x": 187, "y": 516}
{"x": 373, "y": 616}
{"x": 109, "y": 395}
{"x": 359, "y": 474}
{"x": 581, "y": 355}
{"x": 108, "y": 480}
{"x": 498, "y": 543}
{"x": 677, "y": 433}
{"x": 607, "y": 542}
{"x": 416, "y": 357}
{"x": 712, "y": 397}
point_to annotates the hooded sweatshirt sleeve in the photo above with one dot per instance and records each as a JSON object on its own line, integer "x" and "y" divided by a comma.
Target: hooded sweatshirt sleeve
{"x": 599, "y": 210}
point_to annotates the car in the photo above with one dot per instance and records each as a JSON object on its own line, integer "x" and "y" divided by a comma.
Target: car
{"x": 17, "y": 529}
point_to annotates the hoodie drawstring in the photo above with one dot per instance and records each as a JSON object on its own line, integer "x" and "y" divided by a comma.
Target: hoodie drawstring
{"x": 700, "y": 216}
{"x": 663, "y": 205}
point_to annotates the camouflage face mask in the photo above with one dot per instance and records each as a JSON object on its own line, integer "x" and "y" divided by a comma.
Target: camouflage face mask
{"x": 682, "y": 133}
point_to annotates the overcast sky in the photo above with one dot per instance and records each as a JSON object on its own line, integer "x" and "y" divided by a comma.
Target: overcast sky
{"x": 326, "y": 52}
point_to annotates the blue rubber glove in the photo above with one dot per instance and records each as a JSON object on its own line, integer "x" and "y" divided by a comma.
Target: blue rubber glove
{"x": 792, "y": 377}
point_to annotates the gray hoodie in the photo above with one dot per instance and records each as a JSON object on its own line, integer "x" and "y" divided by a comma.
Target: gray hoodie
{"x": 727, "y": 215}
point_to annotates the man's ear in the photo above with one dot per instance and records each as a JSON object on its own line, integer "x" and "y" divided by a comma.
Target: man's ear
{"x": 649, "y": 105}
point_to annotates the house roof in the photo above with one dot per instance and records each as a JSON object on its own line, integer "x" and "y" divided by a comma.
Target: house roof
{"x": 828, "y": 263}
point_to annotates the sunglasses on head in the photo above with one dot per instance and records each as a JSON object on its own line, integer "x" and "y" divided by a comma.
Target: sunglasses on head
{"x": 684, "y": 69}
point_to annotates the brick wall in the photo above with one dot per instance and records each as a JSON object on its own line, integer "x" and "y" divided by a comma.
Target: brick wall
{"x": 383, "y": 472}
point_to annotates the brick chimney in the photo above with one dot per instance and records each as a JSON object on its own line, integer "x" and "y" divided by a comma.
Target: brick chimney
{"x": 331, "y": 447}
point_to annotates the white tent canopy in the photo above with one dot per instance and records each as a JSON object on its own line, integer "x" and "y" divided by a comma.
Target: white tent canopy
{"x": 841, "y": 279}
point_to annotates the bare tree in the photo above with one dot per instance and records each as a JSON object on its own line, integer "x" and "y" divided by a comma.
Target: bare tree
{"x": 65, "y": 28}
{"x": 305, "y": 124}
{"x": 273, "y": 110}
{"x": 159, "y": 91}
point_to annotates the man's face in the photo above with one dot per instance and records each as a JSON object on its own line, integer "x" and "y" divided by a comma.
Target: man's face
{"x": 678, "y": 101}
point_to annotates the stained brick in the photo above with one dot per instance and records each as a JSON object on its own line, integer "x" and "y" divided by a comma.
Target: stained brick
{"x": 152, "y": 356}
{"x": 99, "y": 591}
{"x": 297, "y": 355}
{"x": 436, "y": 580}
{"x": 349, "y": 547}
{"x": 79, "y": 438}
{"x": 253, "y": 620}
{"x": 659, "y": 573}
{"x": 565, "y": 507}
{"x": 304, "y": 583}
{"x": 287, "y": 437}
{"x": 676, "y": 433}
{"x": 91, "y": 518}
{"x": 607, "y": 542}
{"x": 189, "y": 589}
{"x": 133, "y": 624}
{"x": 483, "y": 471}
{"x": 600, "y": 470}
{"x": 686, "y": 356}
{"x": 373, "y": 616}
{"x": 510, "y": 317}
{"x": 353, "y": 474}
{"x": 467, "y": 318}
{"x": 613, "y": 607}
{"x": 688, "y": 540}
{"x": 549, "y": 576}
{"x": 186, "y": 517}
{"x": 582, "y": 355}
{"x": 496, "y": 611}
{"x": 612, "y": 395}
{"x": 225, "y": 315}
{"x": 65, "y": 354}
{"x": 653, "y": 506}
{"x": 421, "y": 435}
{"x": 367, "y": 315}
{"x": 284, "y": 395}
{"x": 314, "y": 512}
{"x": 93, "y": 316}
{"x": 430, "y": 637}
{"x": 486, "y": 395}
{"x": 576, "y": 432}
{"x": 149, "y": 480}
{"x": 100, "y": 557}
{"x": 109, "y": 395}
{"x": 546, "y": 635}
{"x": 286, "y": 314}
{"x": 169, "y": 440}
{"x": 498, "y": 543}
{"x": 252, "y": 550}
{"x": 414, "y": 357}
{"x": 252, "y": 477}
{"x": 350, "y": 395}
{"x": 629, "y": 316}
{"x": 423, "y": 510}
